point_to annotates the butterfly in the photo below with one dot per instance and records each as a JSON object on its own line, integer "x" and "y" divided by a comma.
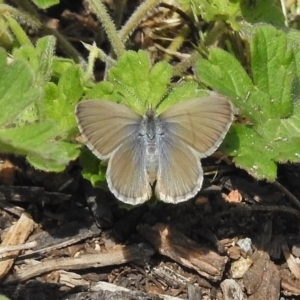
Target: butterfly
{"x": 154, "y": 151}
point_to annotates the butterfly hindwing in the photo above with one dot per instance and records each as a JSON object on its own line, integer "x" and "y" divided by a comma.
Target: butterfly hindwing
{"x": 126, "y": 174}
{"x": 179, "y": 174}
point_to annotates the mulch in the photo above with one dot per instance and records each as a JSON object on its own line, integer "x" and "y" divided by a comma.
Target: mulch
{"x": 238, "y": 239}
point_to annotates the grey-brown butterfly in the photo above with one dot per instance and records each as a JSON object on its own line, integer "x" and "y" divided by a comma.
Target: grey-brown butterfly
{"x": 165, "y": 148}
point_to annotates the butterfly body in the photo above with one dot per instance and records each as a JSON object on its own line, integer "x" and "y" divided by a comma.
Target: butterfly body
{"x": 165, "y": 148}
{"x": 152, "y": 132}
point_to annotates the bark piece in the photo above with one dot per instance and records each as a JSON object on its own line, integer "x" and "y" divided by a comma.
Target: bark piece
{"x": 17, "y": 235}
{"x": 289, "y": 284}
{"x": 194, "y": 292}
{"x": 111, "y": 257}
{"x": 262, "y": 280}
{"x": 171, "y": 243}
{"x": 232, "y": 290}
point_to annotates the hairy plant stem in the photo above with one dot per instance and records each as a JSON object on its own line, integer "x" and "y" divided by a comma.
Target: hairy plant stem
{"x": 110, "y": 28}
{"x": 21, "y": 16}
{"x": 17, "y": 30}
{"x": 136, "y": 18}
{"x": 33, "y": 22}
{"x": 94, "y": 53}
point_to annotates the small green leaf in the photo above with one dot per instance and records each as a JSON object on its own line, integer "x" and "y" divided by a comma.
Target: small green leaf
{"x": 267, "y": 11}
{"x": 17, "y": 90}
{"x": 60, "y": 100}
{"x": 40, "y": 57}
{"x": 93, "y": 170}
{"x": 45, "y": 47}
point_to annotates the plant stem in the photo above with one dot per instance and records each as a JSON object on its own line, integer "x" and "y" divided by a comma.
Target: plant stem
{"x": 110, "y": 28}
{"x": 94, "y": 53}
{"x": 27, "y": 6}
{"x": 65, "y": 45}
{"x": 136, "y": 18}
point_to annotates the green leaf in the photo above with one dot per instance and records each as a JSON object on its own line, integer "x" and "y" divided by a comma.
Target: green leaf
{"x": 17, "y": 90}
{"x": 272, "y": 55}
{"x": 61, "y": 99}
{"x": 270, "y": 100}
{"x": 140, "y": 84}
{"x": 93, "y": 170}
{"x": 45, "y": 47}
{"x": 33, "y": 142}
{"x": 40, "y": 57}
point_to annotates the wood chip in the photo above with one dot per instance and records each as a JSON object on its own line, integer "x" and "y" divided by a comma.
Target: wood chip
{"x": 262, "y": 280}
{"x": 291, "y": 261}
{"x": 72, "y": 279}
{"x": 17, "y": 235}
{"x": 231, "y": 290}
{"x": 171, "y": 243}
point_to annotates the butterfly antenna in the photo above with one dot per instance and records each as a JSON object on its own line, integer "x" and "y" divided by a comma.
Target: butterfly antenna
{"x": 170, "y": 89}
{"x": 133, "y": 94}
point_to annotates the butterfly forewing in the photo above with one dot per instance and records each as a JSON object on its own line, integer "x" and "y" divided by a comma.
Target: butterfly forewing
{"x": 179, "y": 174}
{"x": 201, "y": 123}
{"x": 126, "y": 173}
{"x": 105, "y": 125}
